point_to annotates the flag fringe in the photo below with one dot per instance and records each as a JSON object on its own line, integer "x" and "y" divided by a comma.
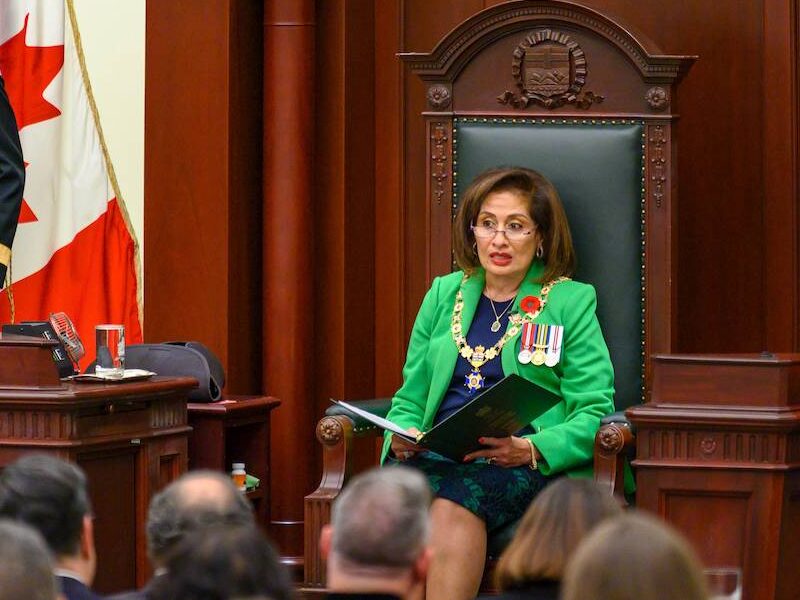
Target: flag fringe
{"x": 76, "y": 36}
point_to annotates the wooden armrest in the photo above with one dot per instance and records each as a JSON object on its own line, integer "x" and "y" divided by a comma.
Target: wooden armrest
{"x": 612, "y": 444}
{"x": 336, "y": 432}
{"x": 377, "y": 406}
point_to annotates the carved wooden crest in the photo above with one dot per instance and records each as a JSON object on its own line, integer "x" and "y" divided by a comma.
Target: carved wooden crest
{"x": 550, "y": 69}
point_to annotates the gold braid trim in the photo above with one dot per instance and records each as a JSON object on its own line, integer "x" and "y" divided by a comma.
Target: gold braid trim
{"x": 5, "y": 255}
{"x": 112, "y": 176}
{"x": 7, "y": 282}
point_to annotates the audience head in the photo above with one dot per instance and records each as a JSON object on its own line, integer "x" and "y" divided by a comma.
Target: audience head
{"x": 194, "y": 502}
{"x": 551, "y": 529}
{"x": 26, "y": 569}
{"x": 221, "y": 563}
{"x": 634, "y": 557}
{"x": 51, "y": 496}
{"x": 380, "y": 521}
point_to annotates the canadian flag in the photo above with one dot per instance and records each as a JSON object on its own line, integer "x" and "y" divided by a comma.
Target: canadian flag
{"x": 74, "y": 250}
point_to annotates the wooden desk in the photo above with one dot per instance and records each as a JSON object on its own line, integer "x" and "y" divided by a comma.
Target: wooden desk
{"x": 131, "y": 439}
{"x": 235, "y": 429}
{"x": 718, "y": 456}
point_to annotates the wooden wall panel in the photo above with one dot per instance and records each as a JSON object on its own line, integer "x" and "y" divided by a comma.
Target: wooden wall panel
{"x": 203, "y": 180}
{"x": 737, "y": 170}
{"x": 390, "y": 332}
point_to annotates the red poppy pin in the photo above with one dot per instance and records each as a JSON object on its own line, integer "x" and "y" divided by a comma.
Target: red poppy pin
{"x": 530, "y": 304}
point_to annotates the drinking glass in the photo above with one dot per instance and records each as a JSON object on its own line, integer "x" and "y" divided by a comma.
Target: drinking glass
{"x": 724, "y": 583}
{"x": 110, "y": 346}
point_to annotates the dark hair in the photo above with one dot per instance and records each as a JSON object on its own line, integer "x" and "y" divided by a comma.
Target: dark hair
{"x": 544, "y": 208}
{"x": 553, "y": 526}
{"x": 634, "y": 556}
{"x": 26, "y": 569}
{"x": 193, "y": 502}
{"x": 223, "y": 562}
{"x": 48, "y": 494}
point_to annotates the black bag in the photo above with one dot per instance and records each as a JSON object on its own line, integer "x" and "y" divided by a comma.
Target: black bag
{"x": 181, "y": 359}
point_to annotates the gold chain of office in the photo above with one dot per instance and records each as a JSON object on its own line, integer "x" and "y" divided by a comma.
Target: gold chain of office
{"x": 479, "y": 356}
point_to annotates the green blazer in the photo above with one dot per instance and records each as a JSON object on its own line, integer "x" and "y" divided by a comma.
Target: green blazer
{"x": 584, "y": 377}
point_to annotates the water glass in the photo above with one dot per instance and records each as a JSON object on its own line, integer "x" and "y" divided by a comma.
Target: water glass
{"x": 724, "y": 583}
{"x": 110, "y": 346}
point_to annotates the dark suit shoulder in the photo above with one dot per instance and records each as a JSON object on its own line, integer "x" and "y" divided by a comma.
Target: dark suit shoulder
{"x": 75, "y": 590}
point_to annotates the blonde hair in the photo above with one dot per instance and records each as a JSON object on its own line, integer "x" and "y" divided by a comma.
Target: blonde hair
{"x": 634, "y": 557}
{"x": 544, "y": 208}
{"x": 551, "y": 529}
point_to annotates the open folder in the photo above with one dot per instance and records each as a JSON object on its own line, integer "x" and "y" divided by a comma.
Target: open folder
{"x": 498, "y": 411}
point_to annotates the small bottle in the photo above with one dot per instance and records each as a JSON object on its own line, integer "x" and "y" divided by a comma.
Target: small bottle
{"x": 239, "y": 476}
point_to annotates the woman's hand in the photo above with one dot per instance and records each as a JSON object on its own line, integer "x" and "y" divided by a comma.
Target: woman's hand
{"x": 506, "y": 452}
{"x": 402, "y": 449}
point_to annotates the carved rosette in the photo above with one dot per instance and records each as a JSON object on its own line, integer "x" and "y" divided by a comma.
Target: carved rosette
{"x": 611, "y": 439}
{"x": 440, "y": 151}
{"x": 708, "y": 445}
{"x": 657, "y": 98}
{"x": 329, "y": 431}
{"x": 550, "y": 69}
{"x": 657, "y": 141}
{"x": 439, "y": 96}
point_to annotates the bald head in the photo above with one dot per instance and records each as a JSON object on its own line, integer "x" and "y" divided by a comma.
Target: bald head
{"x": 193, "y": 502}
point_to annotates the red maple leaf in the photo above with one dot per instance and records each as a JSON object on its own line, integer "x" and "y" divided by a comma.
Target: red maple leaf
{"x": 27, "y": 71}
{"x": 26, "y": 215}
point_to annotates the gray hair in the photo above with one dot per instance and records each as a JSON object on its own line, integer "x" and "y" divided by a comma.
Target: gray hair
{"x": 381, "y": 518}
{"x": 195, "y": 501}
{"x": 26, "y": 568}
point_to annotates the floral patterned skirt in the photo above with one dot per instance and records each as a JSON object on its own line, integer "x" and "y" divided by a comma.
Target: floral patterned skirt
{"x": 497, "y": 495}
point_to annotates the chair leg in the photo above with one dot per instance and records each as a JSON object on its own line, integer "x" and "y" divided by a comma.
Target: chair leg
{"x": 335, "y": 433}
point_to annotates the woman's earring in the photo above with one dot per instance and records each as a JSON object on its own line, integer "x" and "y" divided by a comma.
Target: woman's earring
{"x": 539, "y": 251}
{"x": 475, "y": 248}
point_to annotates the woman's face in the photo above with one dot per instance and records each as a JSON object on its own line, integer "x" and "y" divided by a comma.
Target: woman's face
{"x": 499, "y": 256}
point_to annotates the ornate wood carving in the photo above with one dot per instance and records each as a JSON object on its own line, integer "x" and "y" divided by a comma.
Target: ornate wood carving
{"x": 657, "y": 98}
{"x": 611, "y": 438}
{"x": 719, "y": 447}
{"x": 439, "y": 97}
{"x": 550, "y": 69}
{"x": 440, "y": 149}
{"x": 329, "y": 431}
{"x": 459, "y": 46}
{"x": 657, "y": 156}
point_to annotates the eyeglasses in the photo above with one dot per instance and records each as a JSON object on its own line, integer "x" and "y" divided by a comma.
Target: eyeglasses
{"x": 515, "y": 232}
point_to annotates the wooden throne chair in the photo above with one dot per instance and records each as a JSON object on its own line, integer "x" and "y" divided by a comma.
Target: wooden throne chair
{"x": 568, "y": 91}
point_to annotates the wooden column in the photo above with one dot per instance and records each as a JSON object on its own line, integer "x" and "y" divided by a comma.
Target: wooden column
{"x": 202, "y": 278}
{"x": 288, "y": 243}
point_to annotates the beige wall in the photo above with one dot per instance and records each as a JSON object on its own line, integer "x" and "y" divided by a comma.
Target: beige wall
{"x": 113, "y": 33}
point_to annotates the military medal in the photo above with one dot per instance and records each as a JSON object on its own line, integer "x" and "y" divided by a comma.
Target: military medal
{"x": 474, "y": 381}
{"x": 554, "y": 345}
{"x": 526, "y": 341}
{"x": 540, "y": 336}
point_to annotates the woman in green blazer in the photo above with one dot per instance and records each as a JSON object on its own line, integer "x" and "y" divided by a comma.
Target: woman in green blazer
{"x": 511, "y": 309}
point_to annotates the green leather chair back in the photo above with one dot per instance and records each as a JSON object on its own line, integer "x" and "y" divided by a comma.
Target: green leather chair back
{"x": 597, "y": 168}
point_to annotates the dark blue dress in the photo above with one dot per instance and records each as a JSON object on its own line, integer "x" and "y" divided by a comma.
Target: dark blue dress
{"x": 498, "y": 495}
